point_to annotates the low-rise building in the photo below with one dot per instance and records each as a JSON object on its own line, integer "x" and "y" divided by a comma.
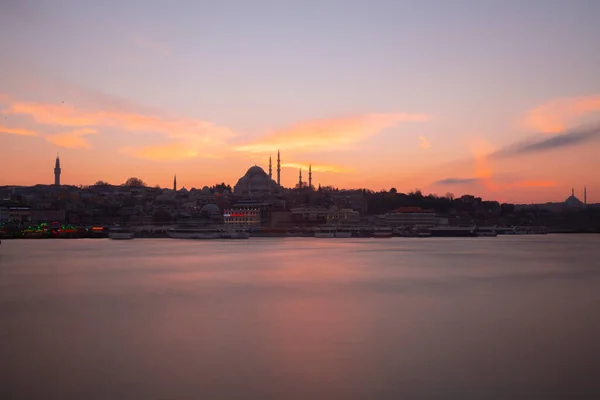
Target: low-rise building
{"x": 242, "y": 216}
{"x": 411, "y": 216}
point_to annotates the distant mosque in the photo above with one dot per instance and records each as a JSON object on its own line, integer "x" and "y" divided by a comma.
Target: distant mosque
{"x": 574, "y": 202}
{"x": 257, "y": 182}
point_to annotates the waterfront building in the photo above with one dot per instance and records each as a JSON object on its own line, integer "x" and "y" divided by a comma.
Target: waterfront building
{"x": 242, "y": 216}
{"x": 322, "y": 215}
{"x": 410, "y": 216}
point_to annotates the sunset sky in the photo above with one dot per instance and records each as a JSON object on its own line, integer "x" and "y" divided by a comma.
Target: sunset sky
{"x": 500, "y": 99}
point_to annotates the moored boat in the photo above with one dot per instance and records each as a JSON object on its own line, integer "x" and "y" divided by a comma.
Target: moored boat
{"x": 120, "y": 233}
{"x": 194, "y": 233}
{"x": 453, "y": 231}
{"x": 383, "y": 233}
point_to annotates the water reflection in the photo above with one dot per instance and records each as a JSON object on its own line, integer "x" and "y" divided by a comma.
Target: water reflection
{"x": 300, "y": 318}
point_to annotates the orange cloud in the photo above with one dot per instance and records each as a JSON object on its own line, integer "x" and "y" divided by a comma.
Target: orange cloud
{"x": 17, "y": 131}
{"x": 173, "y": 151}
{"x": 65, "y": 115}
{"x": 318, "y": 167}
{"x": 329, "y": 133}
{"x": 554, "y": 116}
{"x": 424, "y": 143}
{"x": 71, "y": 140}
{"x": 483, "y": 168}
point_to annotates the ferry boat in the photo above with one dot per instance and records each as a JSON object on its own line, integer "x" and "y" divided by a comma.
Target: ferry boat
{"x": 343, "y": 233}
{"x": 235, "y": 233}
{"x": 383, "y": 233}
{"x": 194, "y": 233}
{"x": 452, "y": 231}
{"x": 331, "y": 232}
{"x": 325, "y": 232}
{"x": 119, "y": 233}
{"x": 486, "y": 231}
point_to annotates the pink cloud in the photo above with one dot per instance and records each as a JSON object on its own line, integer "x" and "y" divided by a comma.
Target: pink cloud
{"x": 556, "y": 115}
{"x": 329, "y": 134}
{"x": 71, "y": 140}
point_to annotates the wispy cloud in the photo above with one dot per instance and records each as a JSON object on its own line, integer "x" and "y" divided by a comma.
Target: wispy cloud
{"x": 318, "y": 167}
{"x": 571, "y": 138}
{"x": 17, "y": 131}
{"x": 172, "y": 151}
{"x": 556, "y": 115}
{"x": 65, "y": 115}
{"x": 71, "y": 140}
{"x": 196, "y": 134}
{"x": 331, "y": 134}
{"x": 424, "y": 143}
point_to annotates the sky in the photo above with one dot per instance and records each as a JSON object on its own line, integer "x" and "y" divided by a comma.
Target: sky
{"x": 500, "y": 99}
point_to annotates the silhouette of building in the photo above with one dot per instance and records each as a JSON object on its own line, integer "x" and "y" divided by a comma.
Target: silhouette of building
{"x": 572, "y": 201}
{"x": 278, "y": 169}
{"x": 255, "y": 182}
{"x": 310, "y": 176}
{"x": 57, "y": 171}
{"x": 175, "y": 182}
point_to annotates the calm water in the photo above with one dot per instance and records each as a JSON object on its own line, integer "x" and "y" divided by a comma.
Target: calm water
{"x": 506, "y": 317}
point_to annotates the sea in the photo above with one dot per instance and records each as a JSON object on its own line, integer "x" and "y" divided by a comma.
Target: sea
{"x": 301, "y": 318}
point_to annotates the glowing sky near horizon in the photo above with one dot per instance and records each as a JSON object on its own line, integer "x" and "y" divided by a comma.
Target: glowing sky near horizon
{"x": 434, "y": 95}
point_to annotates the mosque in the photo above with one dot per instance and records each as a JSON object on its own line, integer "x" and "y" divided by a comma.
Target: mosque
{"x": 257, "y": 182}
{"x": 574, "y": 202}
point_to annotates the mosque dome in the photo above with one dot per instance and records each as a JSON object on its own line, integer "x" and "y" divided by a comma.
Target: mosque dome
{"x": 210, "y": 209}
{"x": 573, "y": 201}
{"x": 256, "y": 171}
{"x": 255, "y": 181}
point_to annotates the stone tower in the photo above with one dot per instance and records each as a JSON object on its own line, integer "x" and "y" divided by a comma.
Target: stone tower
{"x": 57, "y": 171}
{"x": 278, "y": 169}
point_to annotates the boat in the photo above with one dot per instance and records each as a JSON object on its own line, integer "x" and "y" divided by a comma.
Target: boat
{"x": 343, "y": 233}
{"x": 383, "y": 233}
{"x": 453, "y": 231}
{"x": 120, "y": 233}
{"x": 235, "y": 233}
{"x": 486, "y": 233}
{"x": 325, "y": 232}
{"x": 194, "y": 233}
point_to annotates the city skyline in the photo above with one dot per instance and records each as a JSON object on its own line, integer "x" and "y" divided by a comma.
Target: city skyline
{"x": 499, "y": 100}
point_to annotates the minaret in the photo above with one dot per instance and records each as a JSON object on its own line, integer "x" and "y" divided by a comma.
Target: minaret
{"x": 57, "y": 172}
{"x": 310, "y": 176}
{"x": 270, "y": 169}
{"x": 278, "y": 169}
{"x": 573, "y": 192}
{"x": 175, "y": 182}
{"x": 585, "y": 195}
{"x": 300, "y": 179}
